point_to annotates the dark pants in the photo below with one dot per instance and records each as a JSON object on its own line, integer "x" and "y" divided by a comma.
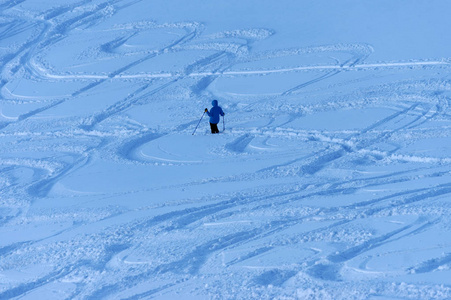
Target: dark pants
{"x": 214, "y": 128}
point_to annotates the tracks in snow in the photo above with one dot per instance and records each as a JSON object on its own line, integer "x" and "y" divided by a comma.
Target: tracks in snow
{"x": 318, "y": 193}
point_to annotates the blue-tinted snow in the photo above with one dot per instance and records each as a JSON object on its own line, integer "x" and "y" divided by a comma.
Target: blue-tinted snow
{"x": 330, "y": 181}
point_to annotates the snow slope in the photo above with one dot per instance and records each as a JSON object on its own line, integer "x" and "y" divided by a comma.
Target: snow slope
{"x": 330, "y": 181}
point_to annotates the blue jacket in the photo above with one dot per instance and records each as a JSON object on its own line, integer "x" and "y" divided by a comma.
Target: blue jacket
{"x": 215, "y": 112}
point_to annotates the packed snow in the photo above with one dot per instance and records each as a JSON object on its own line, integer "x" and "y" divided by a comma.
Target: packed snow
{"x": 330, "y": 178}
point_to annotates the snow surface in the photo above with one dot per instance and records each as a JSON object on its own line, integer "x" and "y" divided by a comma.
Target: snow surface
{"x": 330, "y": 181}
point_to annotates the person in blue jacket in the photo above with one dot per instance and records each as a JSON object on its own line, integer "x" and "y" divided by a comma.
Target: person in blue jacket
{"x": 214, "y": 114}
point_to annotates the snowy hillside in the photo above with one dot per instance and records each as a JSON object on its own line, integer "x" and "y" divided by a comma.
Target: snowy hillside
{"x": 331, "y": 180}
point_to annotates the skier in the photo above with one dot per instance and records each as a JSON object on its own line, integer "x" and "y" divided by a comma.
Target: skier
{"x": 214, "y": 114}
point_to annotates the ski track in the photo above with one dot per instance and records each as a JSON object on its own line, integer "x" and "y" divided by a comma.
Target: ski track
{"x": 94, "y": 262}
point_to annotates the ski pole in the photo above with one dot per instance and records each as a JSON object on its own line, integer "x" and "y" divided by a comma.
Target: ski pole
{"x": 223, "y": 123}
{"x": 198, "y": 123}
